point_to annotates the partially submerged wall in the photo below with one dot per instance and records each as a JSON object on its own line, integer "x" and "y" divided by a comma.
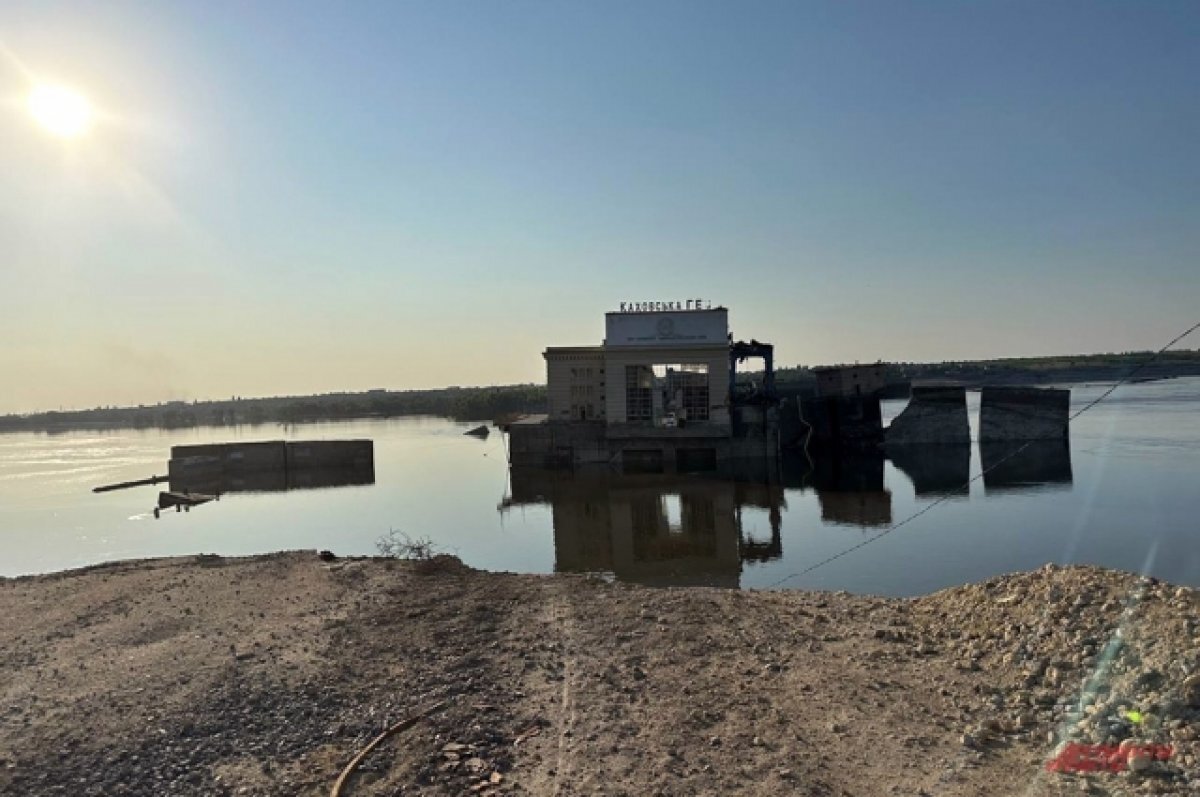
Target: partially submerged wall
{"x": 838, "y": 420}
{"x": 330, "y": 454}
{"x": 213, "y": 459}
{"x": 537, "y": 443}
{"x": 933, "y": 415}
{"x": 1023, "y": 413}
{"x": 271, "y": 465}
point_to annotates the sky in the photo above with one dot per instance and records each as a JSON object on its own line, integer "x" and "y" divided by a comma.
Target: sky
{"x": 292, "y": 197}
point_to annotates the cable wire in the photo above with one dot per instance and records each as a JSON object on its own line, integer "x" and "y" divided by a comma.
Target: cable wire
{"x": 966, "y": 485}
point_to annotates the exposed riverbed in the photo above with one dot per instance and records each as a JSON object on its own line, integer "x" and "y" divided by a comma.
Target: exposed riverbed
{"x": 264, "y": 676}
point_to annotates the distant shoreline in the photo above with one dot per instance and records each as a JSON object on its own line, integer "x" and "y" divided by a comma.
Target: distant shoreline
{"x": 491, "y": 403}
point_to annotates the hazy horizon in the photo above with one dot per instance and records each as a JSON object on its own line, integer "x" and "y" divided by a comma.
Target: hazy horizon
{"x": 290, "y": 199}
{"x": 748, "y": 368}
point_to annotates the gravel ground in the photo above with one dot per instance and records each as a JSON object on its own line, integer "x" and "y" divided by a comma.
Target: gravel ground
{"x": 265, "y": 675}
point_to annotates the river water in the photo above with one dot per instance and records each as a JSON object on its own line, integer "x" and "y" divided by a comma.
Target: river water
{"x": 1125, "y": 493}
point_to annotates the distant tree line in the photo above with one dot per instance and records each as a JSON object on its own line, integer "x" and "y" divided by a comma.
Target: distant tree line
{"x": 1012, "y": 371}
{"x": 1046, "y": 370}
{"x": 459, "y": 403}
{"x": 491, "y": 403}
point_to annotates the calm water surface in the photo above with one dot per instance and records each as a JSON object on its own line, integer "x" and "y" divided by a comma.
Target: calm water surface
{"x": 1125, "y": 494}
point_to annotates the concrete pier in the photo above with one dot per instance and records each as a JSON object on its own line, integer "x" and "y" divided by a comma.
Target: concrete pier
{"x": 1023, "y": 413}
{"x": 933, "y": 415}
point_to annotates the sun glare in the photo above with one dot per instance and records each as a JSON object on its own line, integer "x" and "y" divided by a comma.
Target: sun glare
{"x": 60, "y": 111}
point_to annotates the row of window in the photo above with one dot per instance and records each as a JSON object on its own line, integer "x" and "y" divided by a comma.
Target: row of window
{"x": 684, "y": 393}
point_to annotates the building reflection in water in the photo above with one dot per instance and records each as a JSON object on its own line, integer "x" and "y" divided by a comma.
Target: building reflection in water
{"x": 849, "y": 485}
{"x": 938, "y": 469}
{"x": 656, "y": 528}
{"x": 1037, "y": 465}
{"x": 668, "y": 529}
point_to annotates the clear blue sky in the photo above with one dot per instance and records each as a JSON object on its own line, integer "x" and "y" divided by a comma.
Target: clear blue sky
{"x": 296, "y": 197}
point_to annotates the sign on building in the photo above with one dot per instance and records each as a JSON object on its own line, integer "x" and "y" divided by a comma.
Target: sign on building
{"x": 669, "y": 329}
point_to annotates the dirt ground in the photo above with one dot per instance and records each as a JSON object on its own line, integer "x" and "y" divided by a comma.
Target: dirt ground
{"x": 265, "y": 675}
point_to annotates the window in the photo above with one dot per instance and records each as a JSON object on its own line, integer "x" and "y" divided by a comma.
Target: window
{"x": 686, "y": 389}
{"x": 656, "y": 391}
{"x": 639, "y": 384}
{"x": 695, "y": 402}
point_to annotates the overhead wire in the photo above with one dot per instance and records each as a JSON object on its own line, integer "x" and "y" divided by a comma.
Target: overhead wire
{"x": 948, "y": 495}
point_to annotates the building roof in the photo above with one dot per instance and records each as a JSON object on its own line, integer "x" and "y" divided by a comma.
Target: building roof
{"x": 573, "y": 350}
{"x": 670, "y": 310}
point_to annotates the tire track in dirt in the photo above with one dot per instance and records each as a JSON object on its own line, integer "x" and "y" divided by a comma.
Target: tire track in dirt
{"x": 562, "y": 617}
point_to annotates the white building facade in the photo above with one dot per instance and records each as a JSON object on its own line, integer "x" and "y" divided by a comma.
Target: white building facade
{"x": 656, "y": 369}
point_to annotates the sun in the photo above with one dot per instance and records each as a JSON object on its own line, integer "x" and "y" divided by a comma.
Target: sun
{"x": 61, "y": 111}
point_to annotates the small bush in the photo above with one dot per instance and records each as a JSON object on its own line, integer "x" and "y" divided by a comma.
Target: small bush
{"x": 398, "y": 545}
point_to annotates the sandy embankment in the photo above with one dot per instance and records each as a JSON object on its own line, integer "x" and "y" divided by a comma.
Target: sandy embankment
{"x": 265, "y": 675}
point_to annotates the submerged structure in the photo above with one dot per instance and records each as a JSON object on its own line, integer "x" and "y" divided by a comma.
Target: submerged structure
{"x": 271, "y": 466}
{"x": 202, "y": 473}
{"x": 660, "y": 393}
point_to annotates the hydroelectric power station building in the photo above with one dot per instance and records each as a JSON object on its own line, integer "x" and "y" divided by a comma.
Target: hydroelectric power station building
{"x": 660, "y": 393}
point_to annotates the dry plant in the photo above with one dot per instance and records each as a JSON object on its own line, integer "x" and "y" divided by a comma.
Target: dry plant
{"x": 422, "y": 551}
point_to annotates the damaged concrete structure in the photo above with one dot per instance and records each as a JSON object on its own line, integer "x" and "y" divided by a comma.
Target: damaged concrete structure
{"x": 850, "y": 380}
{"x": 1023, "y": 413}
{"x": 271, "y": 466}
{"x": 660, "y": 394}
{"x": 933, "y": 415}
{"x": 843, "y": 420}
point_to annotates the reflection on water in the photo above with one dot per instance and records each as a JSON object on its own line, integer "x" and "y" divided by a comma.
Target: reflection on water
{"x": 655, "y": 528}
{"x": 849, "y": 485}
{"x": 276, "y": 480}
{"x": 1123, "y": 497}
{"x": 1041, "y": 464}
{"x": 938, "y": 469}
{"x": 680, "y": 529}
